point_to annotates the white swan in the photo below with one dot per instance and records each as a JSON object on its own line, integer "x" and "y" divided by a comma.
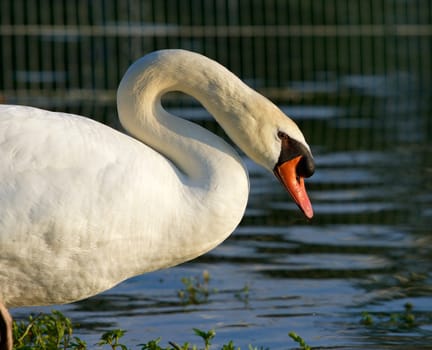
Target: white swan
{"x": 84, "y": 207}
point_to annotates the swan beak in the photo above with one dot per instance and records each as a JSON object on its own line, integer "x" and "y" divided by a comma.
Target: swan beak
{"x": 294, "y": 184}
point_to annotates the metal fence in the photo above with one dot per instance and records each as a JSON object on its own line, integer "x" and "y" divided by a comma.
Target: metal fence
{"x": 71, "y": 54}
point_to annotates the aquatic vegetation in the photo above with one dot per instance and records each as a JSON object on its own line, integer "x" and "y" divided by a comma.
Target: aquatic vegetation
{"x": 196, "y": 289}
{"x": 112, "y": 338}
{"x": 46, "y": 331}
{"x": 393, "y": 321}
{"x": 55, "y": 331}
{"x": 299, "y": 340}
{"x": 243, "y": 294}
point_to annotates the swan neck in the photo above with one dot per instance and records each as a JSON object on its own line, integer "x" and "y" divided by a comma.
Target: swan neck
{"x": 209, "y": 190}
{"x": 142, "y": 115}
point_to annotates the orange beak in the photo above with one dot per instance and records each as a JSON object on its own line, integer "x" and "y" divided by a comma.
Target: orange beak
{"x": 294, "y": 184}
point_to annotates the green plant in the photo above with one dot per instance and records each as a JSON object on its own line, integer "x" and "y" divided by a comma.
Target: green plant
{"x": 196, "y": 289}
{"x": 206, "y": 336}
{"x": 243, "y": 294}
{"x": 112, "y": 338}
{"x": 398, "y": 320}
{"x": 229, "y": 346}
{"x": 152, "y": 345}
{"x": 366, "y": 319}
{"x": 46, "y": 331}
{"x": 299, "y": 340}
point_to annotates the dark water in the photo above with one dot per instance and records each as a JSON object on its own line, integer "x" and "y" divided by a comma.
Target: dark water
{"x": 369, "y": 247}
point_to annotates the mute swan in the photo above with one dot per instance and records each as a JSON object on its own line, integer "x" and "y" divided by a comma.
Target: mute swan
{"x": 84, "y": 207}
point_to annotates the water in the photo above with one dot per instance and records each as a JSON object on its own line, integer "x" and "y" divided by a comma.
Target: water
{"x": 367, "y": 249}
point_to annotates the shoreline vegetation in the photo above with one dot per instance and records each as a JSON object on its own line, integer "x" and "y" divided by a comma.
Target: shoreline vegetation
{"x": 56, "y": 331}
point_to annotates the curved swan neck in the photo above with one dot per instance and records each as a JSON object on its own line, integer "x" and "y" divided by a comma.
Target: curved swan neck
{"x": 212, "y": 189}
{"x": 148, "y": 79}
{"x": 248, "y": 118}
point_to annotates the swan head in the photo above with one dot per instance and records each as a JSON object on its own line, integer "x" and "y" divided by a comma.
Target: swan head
{"x": 274, "y": 141}
{"x": 294, "y": 164}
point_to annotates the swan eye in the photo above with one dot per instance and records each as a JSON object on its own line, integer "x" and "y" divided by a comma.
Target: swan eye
{"x": 282, "y": 135}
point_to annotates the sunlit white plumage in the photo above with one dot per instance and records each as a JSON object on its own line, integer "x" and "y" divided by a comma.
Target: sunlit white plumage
{"x": 84, "y": 207}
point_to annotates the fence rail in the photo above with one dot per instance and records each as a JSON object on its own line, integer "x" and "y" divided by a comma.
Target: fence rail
{"x": 128, "y": 30}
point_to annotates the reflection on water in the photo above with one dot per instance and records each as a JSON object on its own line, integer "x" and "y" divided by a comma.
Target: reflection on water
{"x": 367, "y": 249}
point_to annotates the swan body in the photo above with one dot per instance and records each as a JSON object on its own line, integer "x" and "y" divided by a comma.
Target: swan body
{"x": 84, "y": 207}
